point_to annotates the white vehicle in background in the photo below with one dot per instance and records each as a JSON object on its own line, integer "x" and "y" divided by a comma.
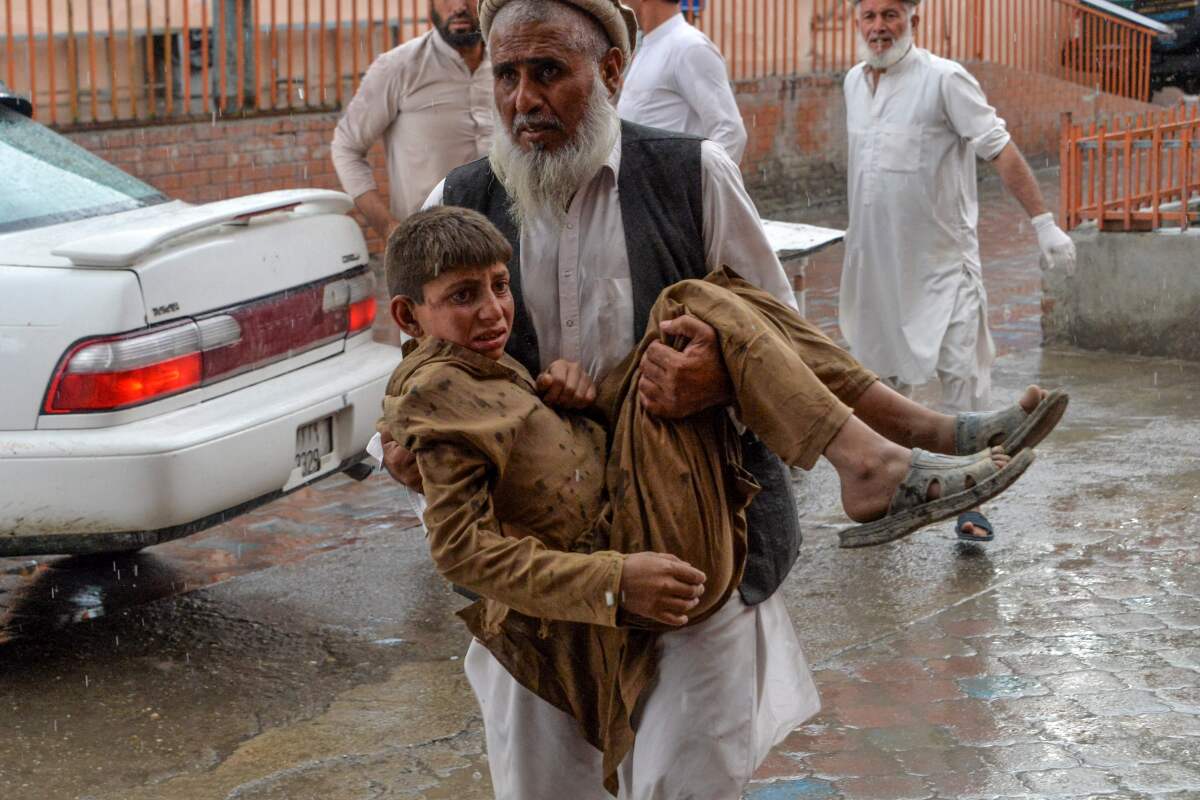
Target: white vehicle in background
{"x": 165, "y": 366}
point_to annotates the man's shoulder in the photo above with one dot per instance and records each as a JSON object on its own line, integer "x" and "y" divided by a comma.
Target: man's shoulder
{"x": 402, "y": 54}
{"x": 468, "y": 184}
{"x": 938, "y": 66}
{"x": 855, "y": 73}
{"x": 634, "y": 133}
{"x": 686, "y": 36}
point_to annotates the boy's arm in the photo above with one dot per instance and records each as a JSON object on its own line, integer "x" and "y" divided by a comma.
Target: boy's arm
{"x": 469, "y": 549}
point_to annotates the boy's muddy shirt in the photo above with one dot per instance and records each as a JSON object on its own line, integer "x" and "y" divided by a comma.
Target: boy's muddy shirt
{"x": 491, "y": 453}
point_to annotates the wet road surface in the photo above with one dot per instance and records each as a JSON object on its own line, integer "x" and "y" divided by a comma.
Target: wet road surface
{"x": 308, "y": 649}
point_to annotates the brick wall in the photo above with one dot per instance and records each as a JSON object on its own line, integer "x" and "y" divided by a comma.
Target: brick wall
{"x": 796, "y": 154}
{"x": 204, "y": 161}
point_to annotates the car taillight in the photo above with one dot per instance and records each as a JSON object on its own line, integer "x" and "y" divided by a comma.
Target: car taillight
{"x": 117, "y": 372}
{"x": 125, "y": 371}
{"x": 362, "y": 303}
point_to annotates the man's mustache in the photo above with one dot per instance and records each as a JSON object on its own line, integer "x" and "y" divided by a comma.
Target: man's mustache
{"x": 535, "y": 122}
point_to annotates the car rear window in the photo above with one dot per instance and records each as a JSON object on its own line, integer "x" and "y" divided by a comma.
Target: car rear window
{"x": 49, "y": 179}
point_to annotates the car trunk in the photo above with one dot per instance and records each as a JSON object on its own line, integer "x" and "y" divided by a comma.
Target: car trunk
{"x": 231, "y": 293}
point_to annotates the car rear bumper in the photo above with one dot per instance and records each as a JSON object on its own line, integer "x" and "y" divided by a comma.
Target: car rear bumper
{"x": 170, "y": 475}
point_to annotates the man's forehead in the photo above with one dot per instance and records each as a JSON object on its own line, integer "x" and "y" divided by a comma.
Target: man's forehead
{"x": 529, "y": 41}
{"x": 880, "y": 6}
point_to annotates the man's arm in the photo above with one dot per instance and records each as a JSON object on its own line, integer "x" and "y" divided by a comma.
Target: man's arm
{"x": 703, "y": 81}
{"x": 972, "y": 117}
{"x": 1018, "y": 178}
{"x": 369, "y": 114}
{"x": 1058, "y": 251}
{"x": 379, "y": 215}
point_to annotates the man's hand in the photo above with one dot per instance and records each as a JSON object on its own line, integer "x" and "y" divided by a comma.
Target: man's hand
{"x": 379, "y": 216}
{"x": 565, "y": 385}
{"x": 401, "y": 464}
{"x": 1058, "y": 251}
{"x": 660, "y": 587}
{"x": 677, "y": 384}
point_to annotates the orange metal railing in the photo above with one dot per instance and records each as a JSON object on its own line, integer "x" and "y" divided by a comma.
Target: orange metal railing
{"x": 1062, "y": 38}
{"x": 1139, "y": 172}
{"x": 84, "y": 62}
{"x": 103, "y": 62}
{"x": 759, "y": 38}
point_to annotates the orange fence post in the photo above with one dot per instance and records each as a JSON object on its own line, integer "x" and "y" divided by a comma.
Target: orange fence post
{"x": 50, "y": 59}
{"x": 204, "y": 107}
{"x": 1065, "y": 175}
{"x": 337, "y": 49}
{"x": 29, "y": 48}
{"x": 354, "y": 44}
{"x": 273, "y": 57}
{"x": 72, "y": 64}
{"x": 112, "y": 63}
{"x": 168, "y": 81}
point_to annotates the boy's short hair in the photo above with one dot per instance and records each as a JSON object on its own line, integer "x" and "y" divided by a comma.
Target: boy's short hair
{"x": 437, "y": 240}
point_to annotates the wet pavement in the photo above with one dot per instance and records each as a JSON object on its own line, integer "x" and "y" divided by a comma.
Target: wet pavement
{"x": 308, "y": 649}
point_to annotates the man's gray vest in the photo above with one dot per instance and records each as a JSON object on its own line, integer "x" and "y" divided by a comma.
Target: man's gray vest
{"x": 663, "y": 214}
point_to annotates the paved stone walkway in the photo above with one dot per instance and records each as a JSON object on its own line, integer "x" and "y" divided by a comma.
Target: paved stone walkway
{"x": 1065, "y": 662}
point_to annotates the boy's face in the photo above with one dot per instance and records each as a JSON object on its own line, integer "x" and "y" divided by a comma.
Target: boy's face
{"x": 469, "y": 307}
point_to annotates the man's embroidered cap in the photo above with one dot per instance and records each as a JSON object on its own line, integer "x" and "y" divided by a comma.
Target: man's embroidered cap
{"x": 617, "y": 20}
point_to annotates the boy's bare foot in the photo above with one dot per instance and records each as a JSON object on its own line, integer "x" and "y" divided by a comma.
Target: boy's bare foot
{"x": 944, "y": 441}
{"x": 867, "y": 490}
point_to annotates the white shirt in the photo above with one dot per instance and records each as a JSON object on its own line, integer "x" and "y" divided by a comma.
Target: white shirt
{"x": 431, "y": 111}
{"x": 678, "y": 82}
{"x": 912, "y": 241}
{"x": 575, "y": 279}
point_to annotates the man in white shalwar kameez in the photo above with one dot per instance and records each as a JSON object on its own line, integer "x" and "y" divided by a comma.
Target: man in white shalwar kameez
{"x": 913, "y": 305}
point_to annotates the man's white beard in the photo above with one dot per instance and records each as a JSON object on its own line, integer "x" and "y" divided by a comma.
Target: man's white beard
{"x": 890, "y": 57}
{"x": 541, "y": 183}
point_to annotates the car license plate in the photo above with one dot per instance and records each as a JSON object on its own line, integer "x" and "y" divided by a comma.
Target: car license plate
{"x": 313, "y": 441}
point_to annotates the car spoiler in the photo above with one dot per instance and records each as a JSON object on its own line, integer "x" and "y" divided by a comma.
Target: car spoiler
{"x": 125, "y": 245}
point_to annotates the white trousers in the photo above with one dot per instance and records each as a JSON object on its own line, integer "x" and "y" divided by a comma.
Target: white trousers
{"x": 728, "y": 690}
{"x": 964, "y": 365}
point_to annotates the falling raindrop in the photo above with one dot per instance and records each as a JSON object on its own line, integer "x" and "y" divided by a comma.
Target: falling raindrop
{"x": 86, "y": 682}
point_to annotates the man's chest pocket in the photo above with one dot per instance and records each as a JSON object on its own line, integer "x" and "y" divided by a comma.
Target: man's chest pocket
{"x": 899, "y": 148}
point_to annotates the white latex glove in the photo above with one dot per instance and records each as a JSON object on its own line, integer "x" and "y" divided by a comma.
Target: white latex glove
{"x": 1058, "y": 251}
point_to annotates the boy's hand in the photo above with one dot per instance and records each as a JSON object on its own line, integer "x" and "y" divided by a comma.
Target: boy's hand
{"x": 565, "y": 385}
{"x": 401, "y": 464}
{"x": 660, "y": 586}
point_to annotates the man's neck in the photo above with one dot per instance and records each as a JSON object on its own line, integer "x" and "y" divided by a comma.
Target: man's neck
{"x": 472, "y": 54}
{"x": 656, "y": 13}
{"x": 875, "y": 73}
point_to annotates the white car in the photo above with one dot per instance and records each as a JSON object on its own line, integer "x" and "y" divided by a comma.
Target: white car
{"x": 166, "y": 366}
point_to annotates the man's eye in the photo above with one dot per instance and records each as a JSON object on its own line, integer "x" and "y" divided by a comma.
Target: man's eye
{"x": 548, "y": 72}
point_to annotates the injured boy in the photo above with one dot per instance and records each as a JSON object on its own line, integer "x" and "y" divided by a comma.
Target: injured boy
{"x": 612, "y": 517}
